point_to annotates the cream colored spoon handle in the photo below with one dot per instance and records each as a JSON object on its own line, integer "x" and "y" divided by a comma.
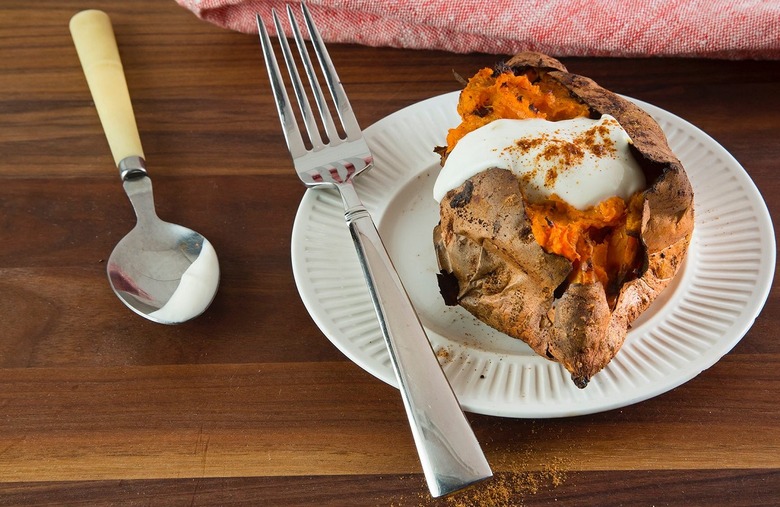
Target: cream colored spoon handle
{"x": 96, "y": 46}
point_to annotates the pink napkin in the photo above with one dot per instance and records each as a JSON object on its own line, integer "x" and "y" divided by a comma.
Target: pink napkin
{"x": 692, "y": 28}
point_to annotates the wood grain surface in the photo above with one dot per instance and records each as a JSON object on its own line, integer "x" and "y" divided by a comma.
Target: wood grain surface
{"x": 250, "y": 404}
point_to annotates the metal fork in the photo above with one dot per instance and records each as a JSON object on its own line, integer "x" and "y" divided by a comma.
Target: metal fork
{"x": 448, "y": 449}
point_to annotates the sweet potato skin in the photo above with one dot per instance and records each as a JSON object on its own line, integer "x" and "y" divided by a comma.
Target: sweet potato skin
{"x": 508, "y": 281}
{"x": 504, "y": 276}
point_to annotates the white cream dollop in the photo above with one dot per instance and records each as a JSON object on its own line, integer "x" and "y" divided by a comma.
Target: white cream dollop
{"x": 583, "y": 161}
{"x": 195, "y": 291}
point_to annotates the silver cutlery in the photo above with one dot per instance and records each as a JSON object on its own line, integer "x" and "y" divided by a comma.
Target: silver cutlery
{"x": 449, "y": 452}
{"x": 162, "y": 271}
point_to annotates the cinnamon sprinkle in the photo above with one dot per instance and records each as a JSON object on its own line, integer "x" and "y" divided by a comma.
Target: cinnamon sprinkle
{"x": 509, "y": 488}
{"x": 513, "y": 483}
{"x": 564, "y": 154}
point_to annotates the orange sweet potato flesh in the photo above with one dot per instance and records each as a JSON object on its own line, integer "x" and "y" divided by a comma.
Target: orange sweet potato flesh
{"x": 488, "y": 97}
{"x": 571, "y": 289}
{"x": 602, "y": 242}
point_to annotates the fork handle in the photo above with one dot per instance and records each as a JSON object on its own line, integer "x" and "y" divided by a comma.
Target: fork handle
{"x": 450, "y": 454}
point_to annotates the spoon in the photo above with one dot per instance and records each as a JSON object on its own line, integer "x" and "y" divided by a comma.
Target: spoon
{"x": 162, "y": 271}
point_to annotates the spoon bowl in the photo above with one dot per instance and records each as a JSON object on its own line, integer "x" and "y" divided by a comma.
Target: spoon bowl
{"x": 162, "y": 271}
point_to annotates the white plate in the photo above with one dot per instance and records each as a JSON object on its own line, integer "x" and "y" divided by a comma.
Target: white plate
{"x": 709, "y": 307}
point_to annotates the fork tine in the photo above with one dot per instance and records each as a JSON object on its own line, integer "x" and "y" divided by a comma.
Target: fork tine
{"x": 343, "y": 108}
{"x": 289, "y": 126}
{"x": 303, "y": 102}
{"x": 319, "y": 97}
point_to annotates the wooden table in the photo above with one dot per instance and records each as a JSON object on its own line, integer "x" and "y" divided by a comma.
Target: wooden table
{"x": 250, "y": 404}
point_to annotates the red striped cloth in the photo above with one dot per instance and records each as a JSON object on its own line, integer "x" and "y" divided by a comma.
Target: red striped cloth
{"x": 691, "y": 28}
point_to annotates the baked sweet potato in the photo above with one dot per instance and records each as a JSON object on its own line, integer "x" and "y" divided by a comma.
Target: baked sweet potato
{"x": 499, "y": 256}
